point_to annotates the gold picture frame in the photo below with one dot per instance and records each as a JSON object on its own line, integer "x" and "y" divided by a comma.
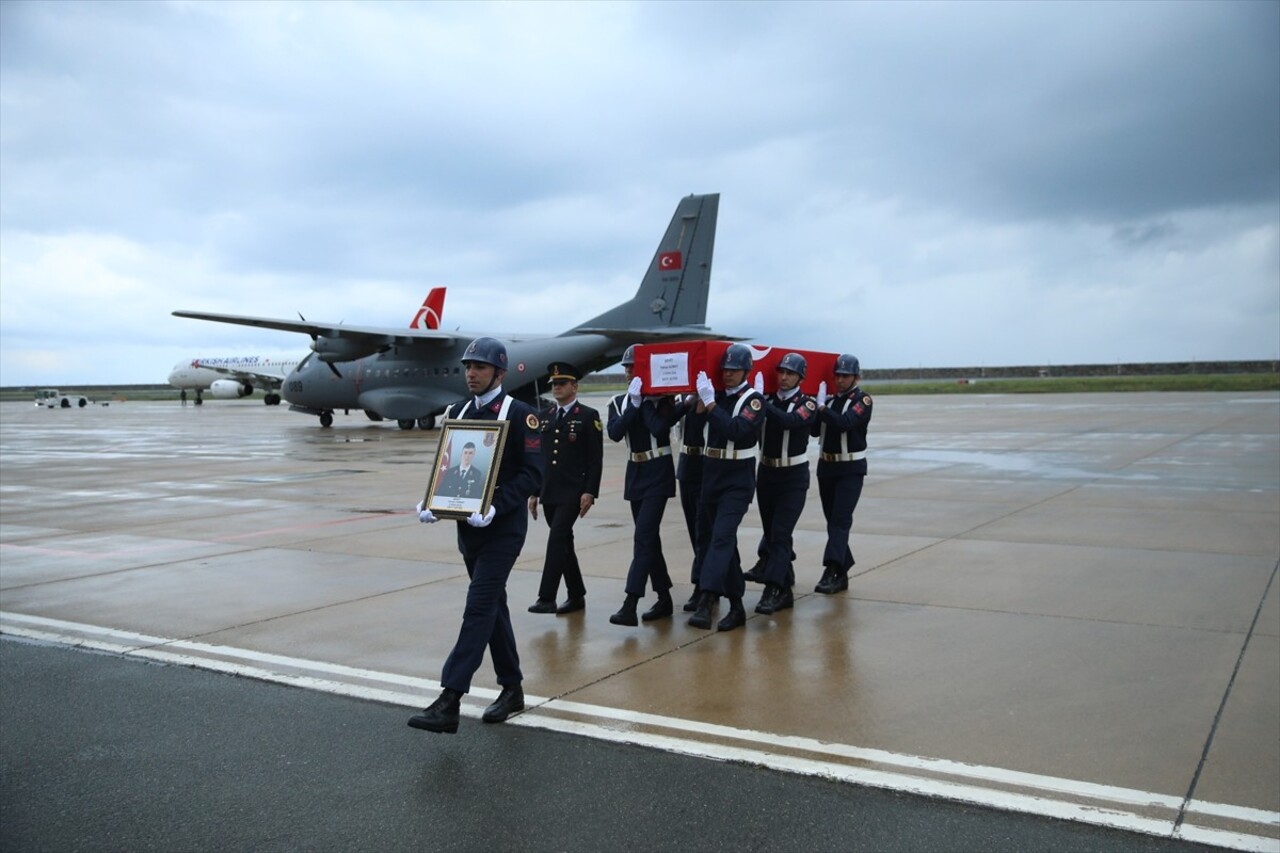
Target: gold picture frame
{"x": 465, "y": 472}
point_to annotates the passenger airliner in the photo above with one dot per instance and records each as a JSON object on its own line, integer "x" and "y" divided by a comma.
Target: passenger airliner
{"x": 237, "y": 376}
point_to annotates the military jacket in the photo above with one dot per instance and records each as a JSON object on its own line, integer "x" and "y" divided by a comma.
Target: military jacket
{"x": 842, "y": 427}
{"x": 572, "y": 454}
{"x": 646, "y": 430}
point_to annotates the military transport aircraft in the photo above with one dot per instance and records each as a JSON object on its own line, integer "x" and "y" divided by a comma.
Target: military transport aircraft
{"x": 237, "y": 376}
{"x": 410, "y": 376}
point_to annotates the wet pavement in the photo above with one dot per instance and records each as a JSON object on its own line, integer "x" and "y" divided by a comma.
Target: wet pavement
{"x": 1063, "y": 605}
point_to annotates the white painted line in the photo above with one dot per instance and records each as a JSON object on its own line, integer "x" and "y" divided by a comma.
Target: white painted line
{"x": 543, "y": 714}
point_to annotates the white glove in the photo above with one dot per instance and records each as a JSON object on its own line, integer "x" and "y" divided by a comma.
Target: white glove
{"x": 478, "y": 520}
{"x": 821, "y": 398}
{"x": 633, "y": 390}
{"x": 758, "y": 384}
{"x": 426, "y": 516}
{"x": 706, "y": 392}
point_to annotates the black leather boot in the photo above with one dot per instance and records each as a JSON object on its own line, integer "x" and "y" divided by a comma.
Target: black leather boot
{"x": 509, "y": 701}
{"x": 701, "y": 617}
{"x": 735, "y": 618}
{"x": 441, "y": 715}
{"x": 824, "y": 585}
{"x": 661, "y": 609}
{"x": 755, "y": 574}
{"x": 767, "y": 599}
{"x": 626, "y": 614}
{"x": 692, "y": 604}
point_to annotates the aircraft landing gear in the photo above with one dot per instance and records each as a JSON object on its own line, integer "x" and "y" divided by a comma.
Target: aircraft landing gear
{"x": 406, "y": 423}
{"x": 428, "y": 422}
{"x": 326, "y": 419}
{"x": 271, "y": 399}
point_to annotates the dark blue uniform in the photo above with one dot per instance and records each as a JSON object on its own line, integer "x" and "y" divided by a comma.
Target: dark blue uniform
{"x": 783, "y": 480}
{"x": 490, "y": 552}
{"x": 649, "y": 483}
{"x": 728, "y": 486}
{"x": 842, "y": 467}
{"x": 572, "y": 458}
{"x": 693, "y": 437}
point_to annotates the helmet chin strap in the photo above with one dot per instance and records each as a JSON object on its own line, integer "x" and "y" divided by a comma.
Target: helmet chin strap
{"x": 497, "y": 378}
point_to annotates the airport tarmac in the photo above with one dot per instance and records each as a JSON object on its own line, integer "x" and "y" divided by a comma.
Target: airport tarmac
{"x": 1063, "y": 605}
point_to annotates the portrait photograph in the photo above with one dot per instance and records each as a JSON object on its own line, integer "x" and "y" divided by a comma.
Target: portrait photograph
{"x": 466, "y": 467}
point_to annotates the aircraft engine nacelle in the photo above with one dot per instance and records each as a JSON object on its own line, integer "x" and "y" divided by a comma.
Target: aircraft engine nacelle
{"x": 343, "y": 349}
{"x": 230, "y": 389}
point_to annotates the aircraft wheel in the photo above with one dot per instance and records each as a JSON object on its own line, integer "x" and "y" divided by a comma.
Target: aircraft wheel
{"x": 427, "y": 423}
{"x": 271, "y": 400}
{"x": 326, "y": 419}
{"x": 372, "y": 415}
{"x": 406, "y": 423}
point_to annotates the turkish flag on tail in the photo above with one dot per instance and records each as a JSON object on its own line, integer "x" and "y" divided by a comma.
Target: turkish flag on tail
{"x": 669, "y": 261}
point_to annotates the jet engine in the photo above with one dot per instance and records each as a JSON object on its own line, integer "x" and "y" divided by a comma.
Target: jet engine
{"x": 230, "y": 389}
{"x": 344, "y": 349}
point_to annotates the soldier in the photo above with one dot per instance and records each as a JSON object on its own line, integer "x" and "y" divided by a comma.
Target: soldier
{"x": 842, "y": 466}
{"x": 734, "y": 418}
{"x": 783, "y": 480}
{"x": 490, "y": 544}
{"x": 572, "y": 458}
{"x": 650, "y": 481}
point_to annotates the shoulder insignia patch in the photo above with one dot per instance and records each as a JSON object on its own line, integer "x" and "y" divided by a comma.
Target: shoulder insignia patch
{"x": 531, "y": 420}
{"x": 755, "y": 403}
{"x": 810, "y": 405}
{"x": 599, "y": 426}
{"x": 866, "y": 400}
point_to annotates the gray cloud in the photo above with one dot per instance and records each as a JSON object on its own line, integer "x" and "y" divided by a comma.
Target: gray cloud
{"x": 955, "y": 183}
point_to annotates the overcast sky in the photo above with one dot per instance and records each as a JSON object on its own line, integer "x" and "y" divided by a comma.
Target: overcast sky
{"x": 935, "y": 184}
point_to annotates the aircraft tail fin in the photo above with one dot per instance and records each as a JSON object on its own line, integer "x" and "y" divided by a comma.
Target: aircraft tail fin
{"x": 428, "y": 316}
{"x": 673, "y": 292}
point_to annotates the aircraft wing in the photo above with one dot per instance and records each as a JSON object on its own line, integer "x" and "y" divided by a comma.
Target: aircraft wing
{"x": 660, "y": 334}
{"x": 265, "y": 381}
{"x": 380, "y": 335}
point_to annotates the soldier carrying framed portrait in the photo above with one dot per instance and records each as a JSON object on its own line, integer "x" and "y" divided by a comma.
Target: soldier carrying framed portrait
{"x": 466, "y": 467}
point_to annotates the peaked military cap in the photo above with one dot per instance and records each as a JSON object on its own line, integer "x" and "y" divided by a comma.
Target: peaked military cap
{"x": 563, "y": 370}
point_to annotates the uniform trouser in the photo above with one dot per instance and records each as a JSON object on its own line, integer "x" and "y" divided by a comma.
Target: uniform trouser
{"x": 561, "y": 557}
{"x": 721, "y": 512}
{"x": 647, "y": 561}
{"x": 839, "y": 493}
{"x": 690, "y": 490}
{"x": 488, "y": 553}
{"x": 780, "y": 494}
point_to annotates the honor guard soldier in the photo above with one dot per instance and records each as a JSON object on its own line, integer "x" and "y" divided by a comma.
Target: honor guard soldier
{"x": 842, "y": 466}
{"x": 734, "y": 418}
{"x": 650, "y": 481}
{"x": 490, "y": 544}
{"x": 572, "y": 458}
{"x": 782, "y": 480}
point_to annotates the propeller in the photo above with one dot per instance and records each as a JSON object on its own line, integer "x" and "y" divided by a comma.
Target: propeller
{"x": 314, "y": 339}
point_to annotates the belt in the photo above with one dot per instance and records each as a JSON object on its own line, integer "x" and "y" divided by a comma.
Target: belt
{"x": 843, "y": 457}
{"x": 783, "y": 461}
{"x": 725, "y": 453}
{"x": 650, "y": 454}
{"x": 695, "y": 450}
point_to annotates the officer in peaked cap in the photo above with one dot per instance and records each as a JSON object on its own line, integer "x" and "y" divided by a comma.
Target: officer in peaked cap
{"x": 490, "y": 543}
{"x": 572, "y": 459}
{"x": 842, "y": 466}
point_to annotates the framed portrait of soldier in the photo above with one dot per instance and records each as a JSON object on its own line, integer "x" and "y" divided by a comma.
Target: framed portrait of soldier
{"x": 465, "y": 472}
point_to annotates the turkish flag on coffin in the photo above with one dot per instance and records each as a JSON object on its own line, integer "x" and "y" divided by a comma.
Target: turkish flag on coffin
{"x": 673, "y": 368}
{"x": 670, "y": 261}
